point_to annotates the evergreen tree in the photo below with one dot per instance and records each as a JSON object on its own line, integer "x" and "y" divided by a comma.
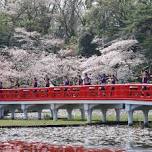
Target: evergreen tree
{"x": 86, "y": 47}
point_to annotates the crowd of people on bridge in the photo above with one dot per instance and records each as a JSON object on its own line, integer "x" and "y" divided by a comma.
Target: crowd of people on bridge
{"x": 102, "y": 80}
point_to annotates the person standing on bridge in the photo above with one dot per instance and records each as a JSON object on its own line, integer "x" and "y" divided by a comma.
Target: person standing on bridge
{"x": 80, "y": 80}
{"x": 145, "y": 76}
{"x": 35, "y": 83}
{"x": 17, "y": 84}
{"x": 145, "y": 79}
{"x": 66, "y": 81}
{"x": 1, "y": 85}
{"x": 47, "y": 81}
{"x": 112, "y": 79}
{"x": 86, "y": 80}
{"x": 103, "y": 80}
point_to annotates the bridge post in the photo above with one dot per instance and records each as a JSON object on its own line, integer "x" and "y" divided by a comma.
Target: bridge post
{"x": 145, "y": 113}
{"x": 24, "y": 109}
{"x": 82, "y": 114}
{"x": 25, "y": 114}
{"x": 1, "y": 113}
{"x": 117, "y": 115}
{"x": 130, "y": 117}
{"x": 39, "y": 114}
{"x": 69, "y": 111}
{"x": 89, "y": 115}
{"x": 54, "y": 111}
{"x": 104, "y": 114}
{"x": 12, "y": 113}
{"x": 130, "y": 109}
{"x": 88, "y": 110}
{"x": 51, "y": 112}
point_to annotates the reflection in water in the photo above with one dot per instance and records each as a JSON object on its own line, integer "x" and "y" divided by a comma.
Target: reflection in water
{"x": 19, "y": 146}
{"x": 128, "y": 139}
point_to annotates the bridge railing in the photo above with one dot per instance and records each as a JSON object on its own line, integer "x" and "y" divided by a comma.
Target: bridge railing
{"x": 91, "y": 92}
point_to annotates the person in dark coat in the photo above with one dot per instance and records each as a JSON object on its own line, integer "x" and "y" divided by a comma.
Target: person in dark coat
{"x": 47, "y": 81}
{"x": 17, "y": 83}
{"x": 80, "y": 80}
{"x": 66, "y": 81}
{"x": 145, "y": 76}
{"x": 35, "y": 83}
{"x": 1, "y": 85}
{"x": 103, "y": 79}
{"x": 86, "y": 80}
{"x": 112, "y": 79}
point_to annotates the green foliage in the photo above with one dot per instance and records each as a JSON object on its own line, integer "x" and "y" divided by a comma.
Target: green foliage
{"x": 123, "y": 18}
{"x": 139, "y": 24}
{"x": 86, "y": 47}
{"x": 5, "y": 29}
{"x": 34, "y": 16}
{"x": 107, "y": 17}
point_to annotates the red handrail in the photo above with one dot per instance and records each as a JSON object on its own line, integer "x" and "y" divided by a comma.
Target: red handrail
{"x": 91, "y": 92}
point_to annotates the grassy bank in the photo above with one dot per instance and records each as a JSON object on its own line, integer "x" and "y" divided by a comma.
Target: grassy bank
{"x": 38, "y": 122}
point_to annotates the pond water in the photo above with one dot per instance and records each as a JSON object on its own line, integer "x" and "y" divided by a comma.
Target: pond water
{"x": 114, "y": 138}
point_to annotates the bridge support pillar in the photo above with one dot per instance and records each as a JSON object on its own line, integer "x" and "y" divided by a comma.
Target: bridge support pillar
{"x": 54, "y": 109}
{"x": 104, "y": 114}
{"x": 25, "y": 111}
{"x": 25, "y": 114}
{"x": 1, "y": 113}
{"x": 55, "y": 114}
{"x": 51, "y": 112}
{"x": 82, "y": 114}
{"x": 12, "y": 113}
{"x": 88, "y": 111}
{"x": 69, "y": 111}
{"x": 89, "y": 115}
{"x": 130, "y": 117}
{"x": 145, "y": 113}
{"x": 117, "y": 115}
{"x": 39, "y": 114}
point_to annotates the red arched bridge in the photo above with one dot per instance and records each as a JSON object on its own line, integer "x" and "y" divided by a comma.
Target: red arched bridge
{"x": 130, "y": 97}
